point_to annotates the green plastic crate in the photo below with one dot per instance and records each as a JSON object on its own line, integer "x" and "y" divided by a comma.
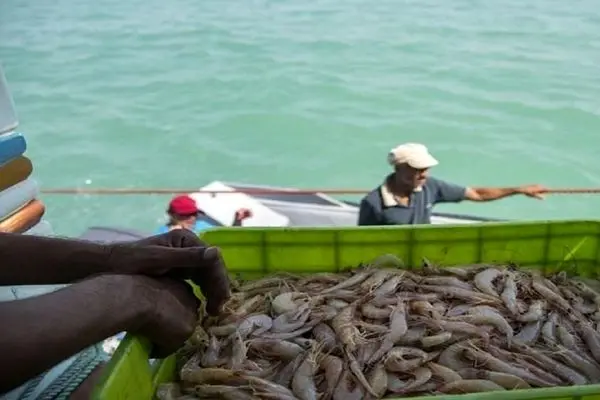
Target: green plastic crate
{"x": 551, "y": 246}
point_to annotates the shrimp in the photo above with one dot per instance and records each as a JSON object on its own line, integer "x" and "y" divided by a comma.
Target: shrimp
{"x": 261, "y": 284}
{"x": 507, "y": 381}
{"x": 372, "y": 312}
{"x": 285, "y": 302}
{"x": 223, "y": 330}
{"x": 540, "y": 285}
{"x": 275, "y": 348}
{"x": 303, "y": 382}
{"x": 425, "y": 308}
{"x": 458, "y": 327}
{"x": 413, "y": 335}
{"x": 486, "y": 317}
{"x": 388, "y": 286}
{"x": 290, "y": 335}
{"x": 200, "y": 376}
{"x": 447, "y": 281}
{"x": 509, "y": 294}
{"x": 591, "y": 339}
{"x": 398, "y": 328}
{"x": 244, "y": 309}
{"x": 452, "y": 357}
{"x": 223, "y": 391}
{"x": 375, "y": 280}
{"x": 422, "y": 376}
{"x": 359, "y": 277}
{"x": 248, "y": 326}
{"x": 325, "y": 335}
{"x": 284, "y": 376}
{"x": 530, "y": 332}
{"x": 574, "y": 360}
{"x": 535, "y": 312}
{"x": 365, "y": 351}
{"x": 342, "y": 390}
{"x": 445, "y": 374}
{"x": 484, "y": 281}
{"x": 378, "y": 380}
{"x": 210, "y": 358}
{"x": 333, "y": 368}
{"x": 557, "y": 368}
{"x": 395, "y": 360}
{"x": 344, "y": 327}
{"x": 587, "y": 292}
{"x": 199, "y": 337}
{"x": 436, "y": 340}
{"x": 239, "y": 352}
{"x": 458, "y": 293}
{"x": 337, "y": 303}
{"x": 168, "y": 391}
{"x": 291, "y": 320}
{"x": 470, "y": 386}
{"x": 357, "y": 371}
{"x": 566, "y": 338}
{"x": 269, "y": 388}
{"x": 458, "y": 310}
{"x": 498, "y": 365}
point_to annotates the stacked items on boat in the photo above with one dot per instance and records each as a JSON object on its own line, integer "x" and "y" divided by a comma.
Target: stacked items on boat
{"x": 20, "y": 209}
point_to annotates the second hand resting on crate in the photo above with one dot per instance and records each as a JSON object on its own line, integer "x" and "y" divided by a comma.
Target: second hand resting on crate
{"x": 136, "y": 287}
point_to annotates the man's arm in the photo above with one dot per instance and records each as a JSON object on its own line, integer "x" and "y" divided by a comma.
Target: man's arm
{"x": 38, "y": 260}
{"x": 40, "y": 332}
{"x": 491, "y": 193}
{"x": 236, "y": 221}
{"x": 367, "y": 214}
{"x": 450, "y": 193}
{"x": 33, "y": 260}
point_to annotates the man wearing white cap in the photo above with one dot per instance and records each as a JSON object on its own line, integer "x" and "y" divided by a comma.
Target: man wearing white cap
{"x": 407, "y": 196}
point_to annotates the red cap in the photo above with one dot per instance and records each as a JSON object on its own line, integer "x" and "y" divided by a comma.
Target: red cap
{"x": 183, "y": 205}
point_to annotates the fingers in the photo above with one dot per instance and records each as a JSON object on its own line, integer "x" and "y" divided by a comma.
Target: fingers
{"x": 185, "y": 238}
{"x": 214, "y": 281}
{"x": 174, "y": 317}
{"x": 174, "y": 238}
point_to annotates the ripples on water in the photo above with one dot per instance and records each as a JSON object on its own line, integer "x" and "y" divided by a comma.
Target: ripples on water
{"x": 155, "y": 93}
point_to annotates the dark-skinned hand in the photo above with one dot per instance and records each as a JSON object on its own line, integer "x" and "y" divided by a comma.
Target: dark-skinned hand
{"x": 177, "y": 254}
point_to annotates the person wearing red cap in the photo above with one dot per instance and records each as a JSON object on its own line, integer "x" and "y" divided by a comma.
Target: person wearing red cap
{"x": 184, "y": 212}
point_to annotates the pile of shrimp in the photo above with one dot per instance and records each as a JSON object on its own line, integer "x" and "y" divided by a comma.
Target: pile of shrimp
{"x": 383, "y": 332}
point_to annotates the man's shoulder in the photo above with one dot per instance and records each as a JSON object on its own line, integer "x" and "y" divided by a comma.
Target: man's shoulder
{"x": 373, "y": 196}
{"x": 433, "y": 183}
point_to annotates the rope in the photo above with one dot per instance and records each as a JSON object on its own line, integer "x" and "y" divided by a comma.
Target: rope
{"x": 291, "y": 192}
{"x": 133, "y": 191}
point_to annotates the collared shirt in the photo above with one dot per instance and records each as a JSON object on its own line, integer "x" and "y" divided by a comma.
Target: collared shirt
{"x": 380, "y": 207}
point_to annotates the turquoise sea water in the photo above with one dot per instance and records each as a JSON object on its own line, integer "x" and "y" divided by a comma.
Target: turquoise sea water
{"x": 310, "y": 94}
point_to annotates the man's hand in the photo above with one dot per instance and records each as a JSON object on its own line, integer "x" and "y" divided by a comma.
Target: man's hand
{"x": 178, "y": 254}
{"x": 242, "y": 214}
{"x": 168, "y": 311}
{"x": 534, "y": 191}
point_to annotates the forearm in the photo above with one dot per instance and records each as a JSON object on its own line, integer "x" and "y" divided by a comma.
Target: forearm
{"x": 495, "y": 193}
{"x": 42, "y": 331}
{"x": 36, "y": 260}
{"x": 33, "y": 260}
{"x": 236, "y": 222}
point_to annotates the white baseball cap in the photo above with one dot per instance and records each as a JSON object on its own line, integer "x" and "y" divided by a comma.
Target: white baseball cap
{"x": 414, "y": 154}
